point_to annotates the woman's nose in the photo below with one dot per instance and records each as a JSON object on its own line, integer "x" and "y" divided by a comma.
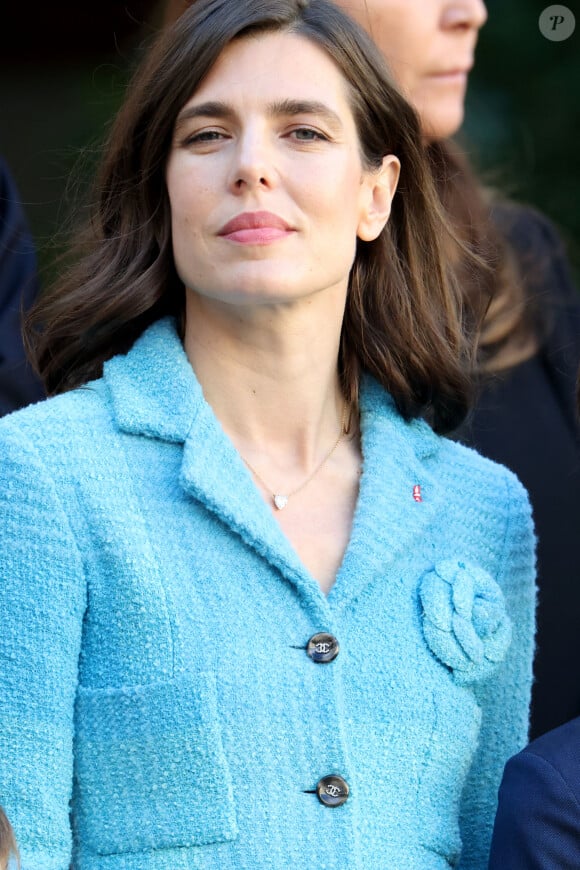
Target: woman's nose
{"x": 464, "y": 14}
{"x": 253, "y": 164}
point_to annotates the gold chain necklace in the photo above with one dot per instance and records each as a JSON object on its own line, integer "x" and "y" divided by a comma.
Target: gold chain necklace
{"x": 279, "y": 499}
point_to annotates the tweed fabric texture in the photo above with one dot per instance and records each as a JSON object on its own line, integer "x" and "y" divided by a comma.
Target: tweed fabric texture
{"x": 157, "y": 705}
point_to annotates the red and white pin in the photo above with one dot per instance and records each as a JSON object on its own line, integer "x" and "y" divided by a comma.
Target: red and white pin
{"x": 417, "y": 492}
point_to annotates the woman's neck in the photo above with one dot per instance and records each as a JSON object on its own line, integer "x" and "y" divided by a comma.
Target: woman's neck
{"x": 269, "y": 372}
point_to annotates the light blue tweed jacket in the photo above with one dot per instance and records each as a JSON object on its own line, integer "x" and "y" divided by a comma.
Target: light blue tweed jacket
{"x": 153, "y": 670}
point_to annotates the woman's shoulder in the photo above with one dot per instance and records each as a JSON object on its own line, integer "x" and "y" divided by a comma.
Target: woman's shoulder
{"x": 153, "y": 378}
{"x": 475, "y": 476}
{"x": 467, "y": 477}
{"x": 52, "y": 426}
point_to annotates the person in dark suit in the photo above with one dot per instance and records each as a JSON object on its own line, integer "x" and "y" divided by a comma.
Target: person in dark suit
{"x": 19, "y": 286}
{"x": 537, "y": 826}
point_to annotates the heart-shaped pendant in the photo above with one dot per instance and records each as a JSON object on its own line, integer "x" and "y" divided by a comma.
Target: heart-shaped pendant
{"x": 280, "y": 501}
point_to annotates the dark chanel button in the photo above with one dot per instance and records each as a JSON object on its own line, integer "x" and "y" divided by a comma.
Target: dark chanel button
{"x": 332, "y": 791}
{"x": 322, "y": 648}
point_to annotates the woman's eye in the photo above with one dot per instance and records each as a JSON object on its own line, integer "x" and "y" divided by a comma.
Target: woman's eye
{"x": 204, "y": 136}
{"x": 307, "y": 134}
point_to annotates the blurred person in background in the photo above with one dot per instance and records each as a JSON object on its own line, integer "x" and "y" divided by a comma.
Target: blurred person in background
{"x": 537, "y": 826}
{"x": 18, "y": 289}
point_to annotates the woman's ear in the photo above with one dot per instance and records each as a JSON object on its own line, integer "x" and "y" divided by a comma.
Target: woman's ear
{"x": 379, "y": 186}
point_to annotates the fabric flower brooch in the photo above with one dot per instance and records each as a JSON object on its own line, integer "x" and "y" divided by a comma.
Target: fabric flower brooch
{"x": 465, "y": 622}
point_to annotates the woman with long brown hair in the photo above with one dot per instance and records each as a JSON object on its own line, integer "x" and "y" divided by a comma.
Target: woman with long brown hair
{"x": 257, "y": 611}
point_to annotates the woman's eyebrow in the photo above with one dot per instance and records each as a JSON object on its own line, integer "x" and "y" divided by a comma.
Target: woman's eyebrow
{"x": 306, "y": 107}
{"x": 281, "y": 108}
{"x": 211, "y": 109}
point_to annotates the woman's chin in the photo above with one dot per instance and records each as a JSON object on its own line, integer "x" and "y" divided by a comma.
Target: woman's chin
{"x": 441, "y": 122}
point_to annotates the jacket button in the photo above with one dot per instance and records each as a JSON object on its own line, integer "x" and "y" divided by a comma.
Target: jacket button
{"x": 322, "y": 648}
{"x": 332, "y": 791}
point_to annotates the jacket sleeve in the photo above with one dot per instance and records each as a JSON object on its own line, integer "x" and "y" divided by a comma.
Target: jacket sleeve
{"x": 42, "y": 602}
{"x": 538, "y": 820}
{"x": 504, "y": 697}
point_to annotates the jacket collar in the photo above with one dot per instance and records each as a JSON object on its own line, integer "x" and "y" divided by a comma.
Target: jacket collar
{"x": 153, "y": 389}
{"x": 154, "y": 393}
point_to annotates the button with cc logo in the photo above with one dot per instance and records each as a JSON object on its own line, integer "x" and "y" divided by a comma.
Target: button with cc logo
{"x": 322, "y": 648}
{"x": 332, "y": 791}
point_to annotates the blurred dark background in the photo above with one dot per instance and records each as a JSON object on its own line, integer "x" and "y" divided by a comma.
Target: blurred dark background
{"x": 522, "y": 124}
{"x": 63, "y": 68}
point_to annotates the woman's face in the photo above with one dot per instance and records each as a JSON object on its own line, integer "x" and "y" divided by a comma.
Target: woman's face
{"x": 266, "y": 185}
{"x": 429, "y": 46}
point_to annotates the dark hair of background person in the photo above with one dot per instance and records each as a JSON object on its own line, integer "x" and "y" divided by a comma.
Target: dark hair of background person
{"x": 404, "y": 320}
{"x": 510, "y": 332}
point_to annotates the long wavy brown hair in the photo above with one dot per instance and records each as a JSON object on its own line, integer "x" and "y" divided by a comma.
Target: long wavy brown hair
{"x": 405, "y": 321}
{"x": 510, "y": 332}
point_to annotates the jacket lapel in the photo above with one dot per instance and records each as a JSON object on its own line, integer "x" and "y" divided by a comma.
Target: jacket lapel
{"x": 398, "y": 495}
{"x": 213, "y": 473}
{"x": 155, "y": 393}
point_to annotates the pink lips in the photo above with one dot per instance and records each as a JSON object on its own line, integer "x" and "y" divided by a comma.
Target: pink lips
{"x": 255, "y": 228}
{"x": 458, "y": 75}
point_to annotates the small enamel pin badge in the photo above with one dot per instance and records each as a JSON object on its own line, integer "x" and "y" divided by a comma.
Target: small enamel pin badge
{"x": 417, "y": 493}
